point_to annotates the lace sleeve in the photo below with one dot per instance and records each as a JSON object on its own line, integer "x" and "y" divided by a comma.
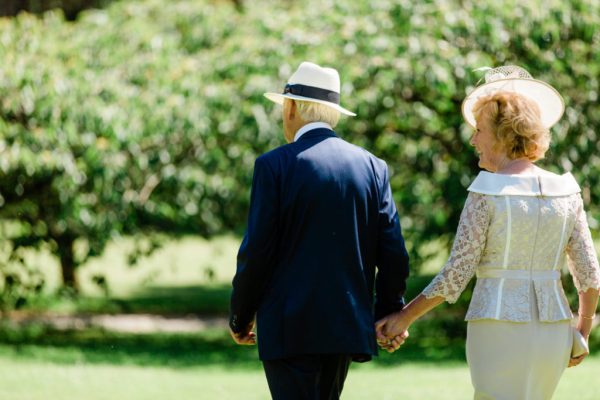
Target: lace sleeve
{"x": 582, "y": 259}
{"x": 468, "y": 246}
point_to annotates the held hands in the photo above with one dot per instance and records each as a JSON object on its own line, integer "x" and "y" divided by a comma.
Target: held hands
{"x": 392, "y": 331}
{"x": 245, "y": 337}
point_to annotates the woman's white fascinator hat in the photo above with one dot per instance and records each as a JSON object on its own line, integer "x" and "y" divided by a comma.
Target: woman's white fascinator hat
{"x": 511, "y": 78}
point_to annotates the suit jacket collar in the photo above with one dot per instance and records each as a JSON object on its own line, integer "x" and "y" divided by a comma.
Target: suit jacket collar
{"x": 309, "y": 127}
{"x": 313, "y": 133}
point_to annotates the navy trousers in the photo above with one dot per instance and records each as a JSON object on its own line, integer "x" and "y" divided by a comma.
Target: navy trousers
{"x": 307, "y": 377}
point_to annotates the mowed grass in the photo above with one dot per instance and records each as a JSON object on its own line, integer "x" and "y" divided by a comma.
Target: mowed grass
{"x": 95, "y": 365}
{"x": 26, "y": 379}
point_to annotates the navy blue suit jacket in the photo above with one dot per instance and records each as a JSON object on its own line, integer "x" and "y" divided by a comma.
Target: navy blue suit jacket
{"x": 322, "y": 220}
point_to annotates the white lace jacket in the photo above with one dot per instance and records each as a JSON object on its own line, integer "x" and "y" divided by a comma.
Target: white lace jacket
{"x": 515, "y": 229}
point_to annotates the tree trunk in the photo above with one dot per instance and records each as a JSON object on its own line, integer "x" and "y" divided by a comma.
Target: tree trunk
{"x": 239, "y": 5}
{"x": 71, "y": 8}
{"x": 67, "y": 262}
{"x": 10, "y": 7}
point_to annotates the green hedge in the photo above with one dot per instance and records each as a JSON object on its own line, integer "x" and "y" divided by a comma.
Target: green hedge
{"x": 148, "y": 115}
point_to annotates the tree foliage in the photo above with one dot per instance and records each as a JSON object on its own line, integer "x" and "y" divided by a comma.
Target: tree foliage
{"x": 147, "y": 116}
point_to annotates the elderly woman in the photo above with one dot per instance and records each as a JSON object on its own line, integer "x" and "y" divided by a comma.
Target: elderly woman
{"x": 518, "y": 225}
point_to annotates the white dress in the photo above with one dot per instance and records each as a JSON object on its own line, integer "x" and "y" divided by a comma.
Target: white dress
{"x": 514, "y": 234}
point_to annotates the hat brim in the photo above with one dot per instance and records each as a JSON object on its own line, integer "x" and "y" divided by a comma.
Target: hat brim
{"x": 278, "y": 98}
{"x": 551, "y": 103}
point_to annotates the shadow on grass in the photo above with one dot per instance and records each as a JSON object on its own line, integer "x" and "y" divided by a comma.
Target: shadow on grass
{"x": 206, "y": 300}
{"x": 209, "y": 348}
{"x": 96, "y": 346}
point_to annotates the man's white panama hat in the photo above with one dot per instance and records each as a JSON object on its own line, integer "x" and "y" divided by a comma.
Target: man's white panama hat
{"x": 512, "y": 78}
{"x": 313, "y": 83}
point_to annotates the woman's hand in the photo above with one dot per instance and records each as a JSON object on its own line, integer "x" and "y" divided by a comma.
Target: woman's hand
{"x": 575, "y": 361}
{"x": 584, "y": 326}
{"x": 588, "y": 301}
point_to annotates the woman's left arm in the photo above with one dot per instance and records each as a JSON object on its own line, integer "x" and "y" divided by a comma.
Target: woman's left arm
{"x": 583, "y": 265}
{"x": 581, "y": 254}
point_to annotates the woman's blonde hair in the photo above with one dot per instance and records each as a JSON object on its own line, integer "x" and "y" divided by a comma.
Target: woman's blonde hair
{"x": 317, "y": 112}
{"x": 516, "y": 122}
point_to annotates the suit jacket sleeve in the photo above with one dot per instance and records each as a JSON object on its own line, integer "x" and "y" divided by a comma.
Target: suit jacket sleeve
{"x": 255, "y": 260}
{"x": 392, "y": 257}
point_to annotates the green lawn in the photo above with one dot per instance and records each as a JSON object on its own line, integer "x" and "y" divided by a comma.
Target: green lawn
{"x": 23, "y": 378}
{"x": 39, "y": 363}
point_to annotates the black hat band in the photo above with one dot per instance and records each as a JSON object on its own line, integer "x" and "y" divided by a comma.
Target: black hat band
{"x": 313, "y": 93}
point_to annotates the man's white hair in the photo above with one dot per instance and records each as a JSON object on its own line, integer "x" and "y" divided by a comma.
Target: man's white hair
{"x": 317, "y": 112}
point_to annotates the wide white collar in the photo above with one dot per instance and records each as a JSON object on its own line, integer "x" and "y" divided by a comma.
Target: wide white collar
{"x": 309, "y": 127}
{"x": 524, "y": 185}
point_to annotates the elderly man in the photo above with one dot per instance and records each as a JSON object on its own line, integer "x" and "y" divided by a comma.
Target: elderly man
{"x": 322, "y": 219}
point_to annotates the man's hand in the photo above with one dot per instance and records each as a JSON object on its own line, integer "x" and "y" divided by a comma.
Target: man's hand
{"x": 245, "y": 337}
